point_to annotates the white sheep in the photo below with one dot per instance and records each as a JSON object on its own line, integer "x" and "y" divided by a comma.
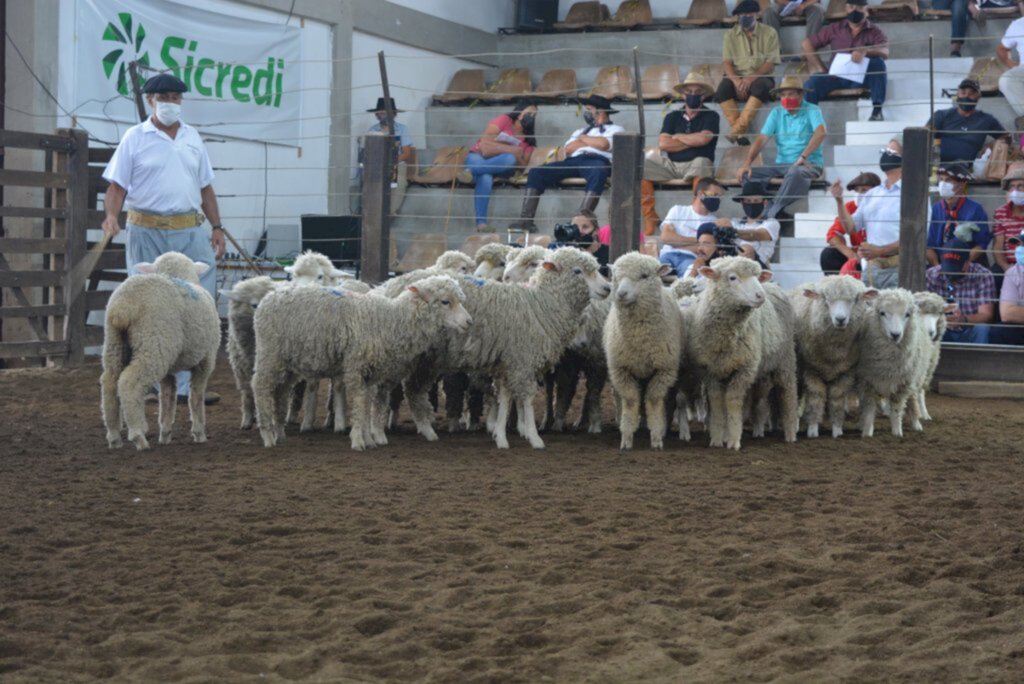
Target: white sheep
{"x": 491, "y": 260}
{"x": 452, "y": 263}
{"x": 829, "y": 316}
{"x": 585, "y": 355}
{"x": 643, "y": 339}
{"x": 894, "y": 356}
{"x": 362, "y": 342}
{"x": 739, "y": 342}
{"x": 157, "y": 323}
{"x": 931, "y": 310}
{"x": 523, "y": 264}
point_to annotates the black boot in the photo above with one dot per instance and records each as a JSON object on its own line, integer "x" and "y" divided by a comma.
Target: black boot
{"x": 590, "y": 201}
{"x": 529, "y": 210}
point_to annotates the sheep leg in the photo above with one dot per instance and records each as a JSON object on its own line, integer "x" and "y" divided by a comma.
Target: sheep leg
{"x": 380, "y": 411}
{"x": 914, "y": 411}
{"x": 596, "y": 381}
{"x": 131, "y": 387}
{"x": 761, "y": 408}
{"x": 168, "y": 404}
{"x": 549, "y": 401}
{"x": 735, "y": 394}
{"x": 628, "y": 390}
{"x": 455, "y": 386}
{"x": 868, "y": 407}
{"x": 395, "y": 403}
{"x": 243, "y": 380}
{"x": 108, "y": 389}
{"x": 897, "y": 408}
{"x": 923, "y": 405}
{"x": 284, "y": 396}
{"x": 295, "y": 403}
{"x": 309, "y": 404}
{"x": 716, "y": 413}
{"x": 356, "y": 392}
{"x": 814, "y": 400}
{"x": 837, "y": 393}
{"x": 265, "y": 388}
{"x": 501, "y": 419}
{"x": 683, "y": 413}
{"x": 338, "y": 398}
{"x": 785, "y": 384}
{"x": 657, "y": 387}
{"x": 197, "y": 397}
{"x": 567, "y": 377}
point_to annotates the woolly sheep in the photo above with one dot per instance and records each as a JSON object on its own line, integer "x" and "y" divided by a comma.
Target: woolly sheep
{"x": 364, "y": 343}
{"x": 157, "y": 323}
{"x": 829, "y": 316}
{"x": 491, "y": 260}
{"x": 585, "y": 355}
{"x": 451, "y": 263}
{"x": 894, "y": 355}
{"x": 739, "y": 342}
{"x": 525, "y": 264}
{"x": 931, "y": 310}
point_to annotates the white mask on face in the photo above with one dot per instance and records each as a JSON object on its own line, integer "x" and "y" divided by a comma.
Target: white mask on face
{"x": 946, "y": 189}
{"x": 168, "y": 113}
{"x": 859, "y": 198}
{"x": 1017, "y": 197}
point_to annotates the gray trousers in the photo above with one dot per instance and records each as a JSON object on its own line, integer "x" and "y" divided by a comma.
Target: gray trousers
{"x": 814, "y": 14}
{"x": 796, "y": 181}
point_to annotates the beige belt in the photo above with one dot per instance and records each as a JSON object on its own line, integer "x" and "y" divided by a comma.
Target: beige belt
{"x": 886, "y": 262}
{"x": 170, "y": 221}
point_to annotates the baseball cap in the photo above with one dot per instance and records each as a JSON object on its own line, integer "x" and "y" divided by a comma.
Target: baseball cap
{"x": 953, "y": 256}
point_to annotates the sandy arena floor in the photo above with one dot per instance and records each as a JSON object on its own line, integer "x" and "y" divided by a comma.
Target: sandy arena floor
{"x": 826, "y": 560}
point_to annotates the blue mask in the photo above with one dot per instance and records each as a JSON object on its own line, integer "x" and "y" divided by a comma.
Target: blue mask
{"x": 1018, "y": 254}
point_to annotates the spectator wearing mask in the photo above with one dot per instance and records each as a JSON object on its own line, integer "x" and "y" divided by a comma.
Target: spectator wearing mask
{"x": 862, "y": 40}
{"x": 799, "y": 130}
{"x": 1011, "y": 83}
{"x": 405, "y": 150}
{"x": 756, "y": 232}
{"x": 809, "y": 9}
{"x": 838, "y": 253}
{"x": 750, "y": 51}
{"x": 956, "y": 214}
{"x": 970, "y": 287}
{"x": 1008, "y": 221}
{"x": 1011, "y": 298}
{"x": 686, "y": 145}
{"x": 588, "y": 155}
{"x": 679, "y": 231}
{"x": 963, "y": 129}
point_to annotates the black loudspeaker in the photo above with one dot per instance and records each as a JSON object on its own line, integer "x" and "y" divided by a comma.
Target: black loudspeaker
{"x": 536, "y": 15}
{"x": 339, "y": 238}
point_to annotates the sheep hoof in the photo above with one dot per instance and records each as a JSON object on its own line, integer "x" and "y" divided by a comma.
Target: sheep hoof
{"x": 837, "y": 431}
{"x": 684, "y": 435}
{"x": 428, "y": 434}
{"x": 757, "y": 432}
{"x": 867, "y": 432}
{"x": 594, "y": 429}
{"x": 453, "y": 426}
{"x": 501, "y": 442}
{"x": 246, "y": 424}
{"x": 114, "y": 441}
{"x": 269, "y": 437}
{"x": 558, "y": 425}
{"x": 916, "y": 426}
{"x": 140, "y": 442}
{"x": 305, "y": 428}
{"x": 717, "y": 443}
{"x": 626, "y": 444}
{"x": 537, "y": 443}
{"x": 812, "y": 431}
{"x": 165, "y": 438}
{"x": 657, "y": 445}
{"x": 197, "y": 437}
{"x": 897, "y": 431}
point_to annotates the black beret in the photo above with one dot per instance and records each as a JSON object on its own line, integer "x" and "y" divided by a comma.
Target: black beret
{"x": 747, "y": 7}
{"x": 164, "y": 83}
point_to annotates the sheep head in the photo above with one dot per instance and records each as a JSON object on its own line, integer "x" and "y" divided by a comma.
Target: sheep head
{"x": 524, "y": 264}
{"x": 455, "y": 262}
{"x": 894, "y": 311}
{"x": 569, "y": 262}
{"x": 737, "y": 281}
{"x": 840, "y": 298}
{"x": 313, "y": 268}
{"x": 636, "y": 277}
{"x": 932, "y": 310}
{"x": 251, "y": 291}
{"x": 445, "y": 298}
{"x": 174, "y": 265}
{"x": 491, "y": 260}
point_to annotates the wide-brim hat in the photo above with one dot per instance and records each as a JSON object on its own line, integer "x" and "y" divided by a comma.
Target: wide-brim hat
{"x": 381, "y": 106}
{"x": 751, "y": 188}
{"x": 746, "y": 7}
{"x": 164, "y": 83}
{"x": 698, "y": 79}
{"x": 790, "y": 82}
{"x": 598, "y": 102}
{"x": 953, "y": 256}
{"x": 1016, "y": 173}
{"x": 958, "y": 171}
{"x": 864, "y": 178}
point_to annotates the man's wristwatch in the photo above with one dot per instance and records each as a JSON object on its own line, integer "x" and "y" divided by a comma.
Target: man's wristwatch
{"x": 219, "y": 226}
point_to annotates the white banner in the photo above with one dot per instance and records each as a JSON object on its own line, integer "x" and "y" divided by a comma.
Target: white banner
{"x": 243, "y": 76}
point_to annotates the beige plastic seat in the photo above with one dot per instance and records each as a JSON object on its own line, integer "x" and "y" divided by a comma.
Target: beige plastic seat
{"x": 556, "y": 85}
{"x": 612, "y": 82}
{"x": 583, "y": 15}
{"x": 540, "y": 156}
{"x": 422, "y": 251}
{"x": 836, "y": 10}
{"x": 631, "y": 14}
{"x": 658, "y": 82}
{"x": 895, "y": 10}
{"x": 447, "y": 163}
{"x": 714, "y": 73}
{"x": 986, "y": 71}
{"x": 542, "y": 240}
{"x": 732, "y": 161}
{"x": 472, "y": 244}
{"x": 510, "y": 85}
{"x": 466, "y": 85}
{"x": 705, "y": 13}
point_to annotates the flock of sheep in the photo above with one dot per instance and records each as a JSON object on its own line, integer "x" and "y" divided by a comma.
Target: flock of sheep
{"x": 726, "y": 348}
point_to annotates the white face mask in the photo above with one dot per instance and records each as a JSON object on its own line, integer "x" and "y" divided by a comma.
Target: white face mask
{"x": 859, "y": 197}
{"x": 1017, "y": 197}
{"x": 168, "y": 113}
{"x": 946, "y": 189}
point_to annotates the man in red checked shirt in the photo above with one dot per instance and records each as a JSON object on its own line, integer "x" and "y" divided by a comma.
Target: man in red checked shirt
{"x": 838, "y": 253}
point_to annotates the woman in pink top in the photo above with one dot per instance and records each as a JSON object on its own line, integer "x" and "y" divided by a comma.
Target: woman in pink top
{"x": 505, "y": 145}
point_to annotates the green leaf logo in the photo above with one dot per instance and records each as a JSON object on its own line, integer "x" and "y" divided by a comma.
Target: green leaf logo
{"x": 115, "y": 62}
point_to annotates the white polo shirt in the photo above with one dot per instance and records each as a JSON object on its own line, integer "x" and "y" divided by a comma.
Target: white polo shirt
{"x": 879, "y": 214}
{"x": 608, "y": 132}
{"x": 764, "y": 248}
{"x": 162, "y": 176}
{"x": 685, "y": 222}
{"x": 1014, "y": 36}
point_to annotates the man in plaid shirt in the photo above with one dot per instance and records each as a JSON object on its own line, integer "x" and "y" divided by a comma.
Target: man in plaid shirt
{"x": 970, "y": 286}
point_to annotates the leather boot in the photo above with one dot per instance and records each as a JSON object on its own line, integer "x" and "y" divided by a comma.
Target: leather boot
{"x": 732, "y": 115}
{"x": 746, "y": 118}
{"x": 590, "y": 201}
{"x": 526, "y": 214}
{"x": 647, "y": 208}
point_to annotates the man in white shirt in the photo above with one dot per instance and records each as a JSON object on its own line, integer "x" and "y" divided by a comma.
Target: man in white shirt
{"x": 161, "y": 173}
{"x": 756, "y": 232}
{"x": 1011, "y": 83}
{"x": 588, "y": 155}
{"x": 679, "y": 230}
{"x": 878, "y": 215}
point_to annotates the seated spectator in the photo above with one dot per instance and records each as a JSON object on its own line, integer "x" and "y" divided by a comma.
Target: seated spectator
{"x": 589, "y": 239}
{"x": 970, "y": 287}
{"x": 809, "y": 9}
{"x": 960, "y": 11}
{"x": 956, "y": 215}
{"x": 963, "y": 129}
{"x": 1008, "y": 221}
{"x": 1011, "y": 299}
{"x": 679, "y": 231}
{"x": 1011, "y": 82}
{"x": 713, "y": 241}
{"x": 588, "y": 155}
{"x": 838, "y": 252}
{"x": 799, "y": 130}
{"x": 756, "y": 232}
{"x": 750, "y": 51}
{"x": 686, "y": 145}
{"x": 863, "y": 40}
{"x": 505, "y": 146}
{"x": 405, "y": 153}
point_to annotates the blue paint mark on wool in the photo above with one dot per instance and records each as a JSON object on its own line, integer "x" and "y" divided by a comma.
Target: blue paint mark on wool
{"x": 186, "y": 286}
{"x": 479, "y": 282}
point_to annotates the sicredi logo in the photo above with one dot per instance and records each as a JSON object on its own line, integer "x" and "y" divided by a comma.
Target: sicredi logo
{"x": 204, "y": 76}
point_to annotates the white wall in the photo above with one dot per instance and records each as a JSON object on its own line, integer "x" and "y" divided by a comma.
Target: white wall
{"x": 486, "y": 15}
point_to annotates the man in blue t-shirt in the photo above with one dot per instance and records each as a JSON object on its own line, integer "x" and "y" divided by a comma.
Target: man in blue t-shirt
{"x": 957, "y": 216}
{"x": 963, "y": 129}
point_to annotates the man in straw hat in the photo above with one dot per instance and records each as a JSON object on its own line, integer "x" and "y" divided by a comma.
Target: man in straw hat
{"x": 956, "y": 214}
{"x": 686, "y": 145}
{"x": 406, "y": 151}
{"x": 1008, "y": 220}
{"x": 588, "y": 155}
{"x": 750, "y": 51}
{"x": 799, "y": 130}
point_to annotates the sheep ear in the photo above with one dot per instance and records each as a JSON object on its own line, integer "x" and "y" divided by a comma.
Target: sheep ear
{"x": 145, "y": 267}
{"x": 549, "y": 266}
{"x": 335, "y": 273}
{"x": 709, "y": 272}
{"x": 231, "y": 295}
{"x": 664, "y": 270}
{"x": 765, "y": 276}
{"x": 422, "y": 294}
{"x": 201, "y": 267}
{"x": 811, "y": 294}
{"x": 870, "y": 294}
{"x": 289, "y": 269}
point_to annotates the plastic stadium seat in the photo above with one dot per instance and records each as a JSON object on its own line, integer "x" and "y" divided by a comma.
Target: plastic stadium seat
{"x": 730, "y": 165}
{"x": 612, "y": 82}
{"x": 895, "y": 10}
{"x": 510, "y": 85}
{"x": 630, "y": 14}
{"x": 836, "y": 10}
{"x": 447, "y": 163}
{"x": 658, "y": 83}
{"x": 556, "y": 85}
{"x": 539, "y": 157}
{"x": 422, "y": 251}
{"x": 583, "y": 15}
{"x": 986, "y": 71}
{"x": 466, "y": 85}
{"x": 705, "y": 13}
{"x": 542, "y": 240}
{"x": 714, "y": 73}
{"x": 474, "y": 242}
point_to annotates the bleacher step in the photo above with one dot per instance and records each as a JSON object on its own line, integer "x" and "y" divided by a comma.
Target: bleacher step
{"x": 812, "y": 226}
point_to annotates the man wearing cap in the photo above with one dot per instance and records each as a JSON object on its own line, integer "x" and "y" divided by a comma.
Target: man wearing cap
{"x": 1008, "y": 221}
{"x": 963, "y": 129}
{"x": 686, "y": 145}
{"x": 862, "y": 40}
{"x": 1011, "y": 82}
{"x": 750, "y": 51}
{"x": 968, "y": 286}
{"x": 588, "y": 155}
{"x": 406, "y": 151}
{"x": 161, "y": 174}
{"x": 799, "y": 130}
{"x": 839, "y": 253}
{"x": 955, "y": 214}
{"x": 756, "y": 232}
{"x": 1011, "y": 299}
{"x": 809, "y": 9}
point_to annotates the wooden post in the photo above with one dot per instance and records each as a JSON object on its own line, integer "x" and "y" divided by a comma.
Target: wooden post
{"x": 75, "y": 238}
{"x": 133, "y": 74}
{"x": 639, "y": 93}
{"x": 917, "y": 147}
{"x": 376, "y": 233}
{"x": 624, "y": 213}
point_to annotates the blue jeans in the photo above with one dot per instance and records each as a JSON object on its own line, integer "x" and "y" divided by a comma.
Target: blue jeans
{"x": 146, "y": 244}
{"x": 590, "y": 167}
{"x": 484, "y": 171}
{"x": 974, "y": 334}
{"x": 679, "y": 260}
{"x": 820, "y": 85}
{"x": 958, "y": 10}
